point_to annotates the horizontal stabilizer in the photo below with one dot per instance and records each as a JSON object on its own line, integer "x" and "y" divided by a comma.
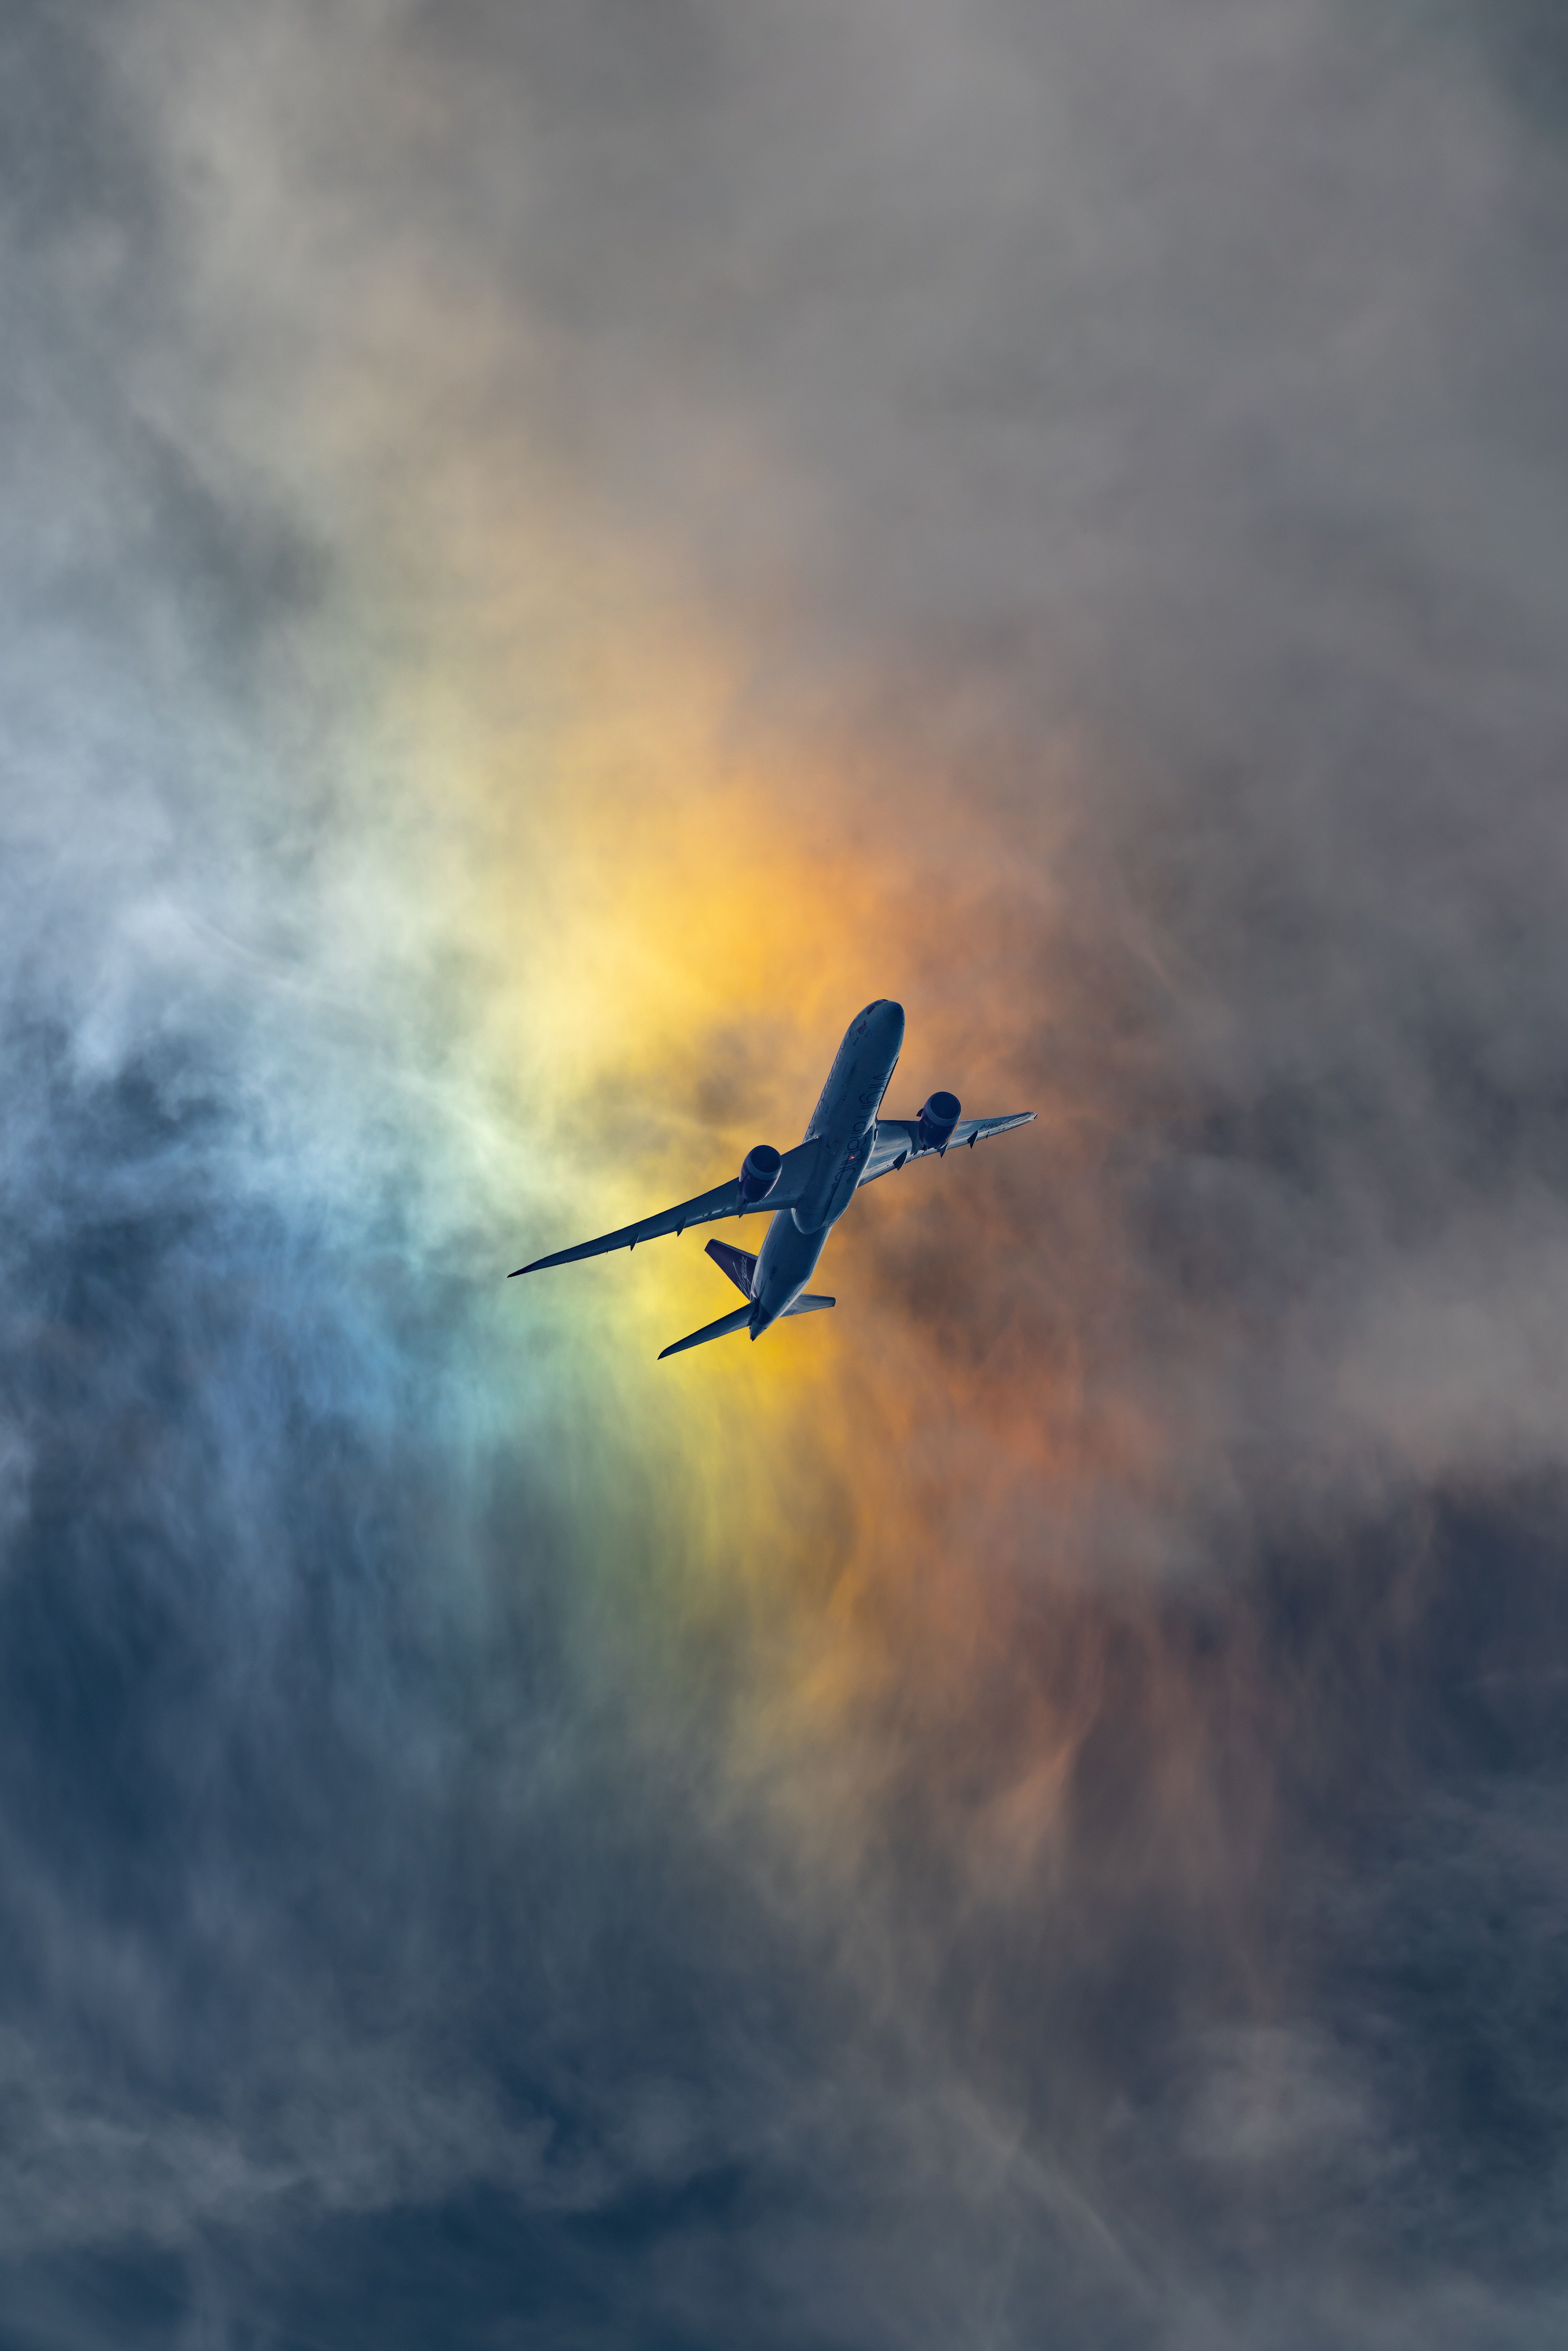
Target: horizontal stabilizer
{"x": 738, "y": 1263}
{"x": 719, "y": 1329}
{"x": 807, "y": 1305}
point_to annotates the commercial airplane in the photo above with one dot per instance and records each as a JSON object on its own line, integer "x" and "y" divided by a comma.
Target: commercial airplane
{"x": 807, "y": 1190}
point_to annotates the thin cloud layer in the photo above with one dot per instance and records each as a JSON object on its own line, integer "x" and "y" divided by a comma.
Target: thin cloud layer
{"x": 553, "y": 551}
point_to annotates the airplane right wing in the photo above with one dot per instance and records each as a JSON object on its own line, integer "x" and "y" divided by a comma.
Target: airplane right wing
{"x": 898, "y": 1139}
{"x": 974, "y": 1130}
{"x": 724, "y": 1200}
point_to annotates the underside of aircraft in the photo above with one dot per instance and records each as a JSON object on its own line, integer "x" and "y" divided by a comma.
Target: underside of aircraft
{"x": 805, "y": 1191}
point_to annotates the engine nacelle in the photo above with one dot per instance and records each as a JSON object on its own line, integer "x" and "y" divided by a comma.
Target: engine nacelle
{"x": 937, "y": 1119}
{"x": 759, "y": 1173}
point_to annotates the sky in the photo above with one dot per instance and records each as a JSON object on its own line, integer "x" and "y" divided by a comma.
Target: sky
{"x": 554, "y": 548}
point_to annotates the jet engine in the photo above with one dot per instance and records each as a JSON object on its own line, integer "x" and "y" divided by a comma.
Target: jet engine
{"x": 759, "y": 1173}
{"x": 937, "y": 1119}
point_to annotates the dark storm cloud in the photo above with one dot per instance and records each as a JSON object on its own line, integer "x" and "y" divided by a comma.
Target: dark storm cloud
{"x": 1184, "y": 384}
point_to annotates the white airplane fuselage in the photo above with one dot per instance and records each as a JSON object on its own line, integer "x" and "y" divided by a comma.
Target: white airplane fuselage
{"x": 842, "y": 1127}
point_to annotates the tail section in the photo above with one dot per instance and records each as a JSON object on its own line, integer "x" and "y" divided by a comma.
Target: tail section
{"x": 719, "y": 1329}
{"x": 739, "y": 1320}
{"x": 741, "y": 1268}
{"x": 738, "y": 1263}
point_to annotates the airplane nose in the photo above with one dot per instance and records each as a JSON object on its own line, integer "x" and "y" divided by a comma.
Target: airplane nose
{"x": 890, "y": 1016}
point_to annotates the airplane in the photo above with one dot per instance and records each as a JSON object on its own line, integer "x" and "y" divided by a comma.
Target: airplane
{"x": 807, "y": 1190}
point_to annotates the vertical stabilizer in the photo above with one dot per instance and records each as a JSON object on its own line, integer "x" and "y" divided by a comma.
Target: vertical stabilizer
{"x": 738, "y": 1263}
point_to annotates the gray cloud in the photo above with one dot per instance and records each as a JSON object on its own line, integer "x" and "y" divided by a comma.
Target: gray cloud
{"x": 1143, "y": 427}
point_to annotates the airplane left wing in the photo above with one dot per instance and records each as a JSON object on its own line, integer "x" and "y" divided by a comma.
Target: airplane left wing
{"x": 724, "y": 1200}
{"x": 898, "y": 1139}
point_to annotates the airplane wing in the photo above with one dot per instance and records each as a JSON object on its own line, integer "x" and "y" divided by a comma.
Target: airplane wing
{"x": 724, "y": 1200}
{"x": 898, "y": 1139}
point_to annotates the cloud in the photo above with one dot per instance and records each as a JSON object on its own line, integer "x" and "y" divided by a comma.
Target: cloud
{"x": 548, "y": 546}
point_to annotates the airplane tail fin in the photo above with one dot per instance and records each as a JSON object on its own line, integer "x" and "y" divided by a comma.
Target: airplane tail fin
{"x": 738, "y": 1263}
{"x": 741, "y": 1268}
{"x": 719, "y": 1329}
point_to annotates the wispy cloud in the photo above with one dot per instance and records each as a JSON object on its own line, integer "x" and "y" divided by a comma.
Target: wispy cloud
{"x": 549, "y": 552}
